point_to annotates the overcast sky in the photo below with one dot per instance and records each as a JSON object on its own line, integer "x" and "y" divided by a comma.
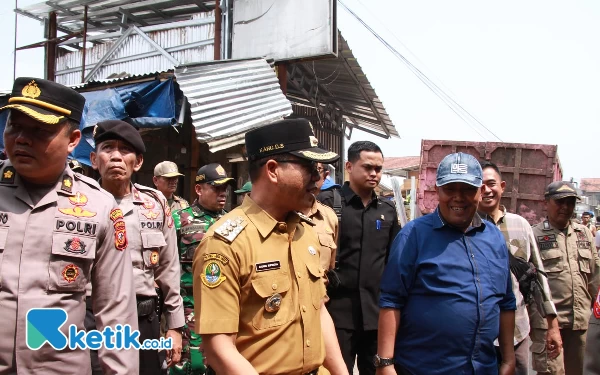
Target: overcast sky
{"x": 529, "y": 71}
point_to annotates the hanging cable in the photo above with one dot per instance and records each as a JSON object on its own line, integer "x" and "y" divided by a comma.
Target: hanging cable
{"x": 461, "y": 112}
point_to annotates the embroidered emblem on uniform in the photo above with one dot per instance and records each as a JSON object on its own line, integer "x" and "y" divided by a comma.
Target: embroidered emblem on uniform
{"x": 154, "y": 257}
{"x": 170, "y": 221}
{"x": 273, "y": 303}
{"x": 31, "y": 90}
{"x": 218, "y": 257}
{"x": 75, "y": 246}
{"x": 115, "y": 214}
{"x": 312, "y": 250}
{"x": 8, "y": 176}
{"x": 596, "y": 308}
{"x": 200, "y": 177}
{"x": 148, "y": 204}
{"x": 120, "y": 235}
{"x": 230, "y": 229}
{"x": 150, "y": 215}
{"x": 70, "y": 273}
{"x": 458, "y": 168}
{"x": 212, "y": 276}
{"x": 78, "y": 200}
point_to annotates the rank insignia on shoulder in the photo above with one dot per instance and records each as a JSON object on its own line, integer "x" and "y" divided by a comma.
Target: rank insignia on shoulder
{"x": 546, "y": 225}
{"x": 8, "y": 175}
{"x": 67, "y": 184}
{"x": 230, "y": 229}
{"x": 305, "y": 218}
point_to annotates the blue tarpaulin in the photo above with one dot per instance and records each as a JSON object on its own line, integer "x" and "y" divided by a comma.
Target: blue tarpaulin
{"x": 153, "y": 104}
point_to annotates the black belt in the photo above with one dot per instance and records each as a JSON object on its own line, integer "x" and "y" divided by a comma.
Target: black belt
{"x": 145, "y": 305}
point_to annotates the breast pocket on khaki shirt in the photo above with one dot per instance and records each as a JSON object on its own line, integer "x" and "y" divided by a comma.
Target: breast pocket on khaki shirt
{"x": 317, "y": 284}
{"x": 151, "y": 244}
{"x": 264, "y": 287}
{"x": 552, "y": 260}
{"x": 70, "y": 265}
{"x": 585, "y": 257}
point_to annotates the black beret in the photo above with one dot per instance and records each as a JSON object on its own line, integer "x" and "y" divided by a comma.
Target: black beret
{"x": 45, "y": 101}
{"x": 120, "y": 130}
{"x": 294, "y": 136}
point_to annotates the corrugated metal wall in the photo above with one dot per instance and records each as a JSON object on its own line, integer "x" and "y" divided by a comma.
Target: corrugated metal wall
{"x": 68, "y": 66}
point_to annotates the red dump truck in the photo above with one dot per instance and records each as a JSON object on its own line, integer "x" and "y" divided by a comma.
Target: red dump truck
{"x": 526, "y": 168}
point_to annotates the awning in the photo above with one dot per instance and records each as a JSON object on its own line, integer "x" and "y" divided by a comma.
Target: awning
{"x": 230, "y": 97}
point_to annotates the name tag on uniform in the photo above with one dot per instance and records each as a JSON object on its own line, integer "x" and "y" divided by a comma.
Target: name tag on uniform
{"x": 268, "y": 266}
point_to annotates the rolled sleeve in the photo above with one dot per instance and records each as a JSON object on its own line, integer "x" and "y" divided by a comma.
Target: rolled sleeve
{"x": 399, "y": 271}
{"x": 218, "y": 310}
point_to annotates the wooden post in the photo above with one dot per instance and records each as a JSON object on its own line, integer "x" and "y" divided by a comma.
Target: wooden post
{"x": 85, "y": 22}
{"x": 51, "y": 47}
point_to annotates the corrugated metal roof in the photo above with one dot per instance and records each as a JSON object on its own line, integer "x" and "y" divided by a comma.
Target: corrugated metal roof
{"x": 342, "y": 83}
{"x": 228, "y": 98}
{"x": 187, "y": 44}
{"x": 105, "y": 15}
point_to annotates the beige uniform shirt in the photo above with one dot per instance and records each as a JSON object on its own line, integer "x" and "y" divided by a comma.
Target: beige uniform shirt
{"x": 178, "y": 203}
{"x": 573, "y": 270}
{"x": 245, "y": 261}
{"x": 153, "y": 244}
{"x": 49, "y": 251}
{"x": 326, "y": 227}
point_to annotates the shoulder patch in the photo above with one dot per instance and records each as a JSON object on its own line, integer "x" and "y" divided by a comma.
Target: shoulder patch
{"x": 230, "y": 229}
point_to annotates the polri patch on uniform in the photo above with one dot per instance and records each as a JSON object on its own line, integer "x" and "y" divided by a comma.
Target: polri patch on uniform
{"x": 75, "y": 246}
{"x": 70, "y": 273}
{"x": 154, "y": 257}
{"x": 8, "y": 175}
{"x": 268, "y": 266}
{"x": 116, "y": 214}
{"x": 120, "y": 235}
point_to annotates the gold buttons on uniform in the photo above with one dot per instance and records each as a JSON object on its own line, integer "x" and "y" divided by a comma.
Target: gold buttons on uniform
{"x": 282, "y": 227}
{"x": 303, "y": 308}
{"x": 307, "y": 342}
{"x": 274, "y": 286}
{"x": 298, "y": 275}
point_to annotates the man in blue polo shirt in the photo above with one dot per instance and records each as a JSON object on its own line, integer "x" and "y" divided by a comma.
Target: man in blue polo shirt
{"x": 446, "y": 294}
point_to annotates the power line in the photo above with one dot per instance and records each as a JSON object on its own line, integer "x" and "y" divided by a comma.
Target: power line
{"x": 461, "y": 112}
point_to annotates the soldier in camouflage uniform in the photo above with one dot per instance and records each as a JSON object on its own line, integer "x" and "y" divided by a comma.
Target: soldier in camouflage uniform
{"x": 191, "y": 223}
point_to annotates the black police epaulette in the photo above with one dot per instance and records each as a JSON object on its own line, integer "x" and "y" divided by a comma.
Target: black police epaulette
{"x": 7, "y": 174}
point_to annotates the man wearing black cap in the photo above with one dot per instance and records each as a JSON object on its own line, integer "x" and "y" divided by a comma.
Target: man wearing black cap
{"x": 257, "y": 276}
{"x": 58, "y": 232}
{"x": 212, "y": 185}
{"x": 572, "y": 265}
{"x": 152, "y": 240}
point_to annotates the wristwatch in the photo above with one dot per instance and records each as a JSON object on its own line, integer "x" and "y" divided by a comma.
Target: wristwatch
{"x": 382, "y": 362}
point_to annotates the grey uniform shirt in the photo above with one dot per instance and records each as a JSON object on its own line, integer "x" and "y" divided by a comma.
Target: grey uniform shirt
{"x": 49, "y": 251}
{"x": 153, "y": 244}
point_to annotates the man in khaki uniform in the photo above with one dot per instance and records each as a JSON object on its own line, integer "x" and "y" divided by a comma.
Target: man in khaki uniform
{"x": 326, "y": 223}
{"x": 58, "y": 232}
{"x": 152, "y": 239}
{"x": 166, "y": 176}
{"x": 572, "y": 266}
{"x": 257, "y": 273}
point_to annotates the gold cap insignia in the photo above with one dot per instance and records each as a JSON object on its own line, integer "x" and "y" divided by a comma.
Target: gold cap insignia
{"x": 220, "y": 170}
{"x": 314, "y": 142}
{"x": 200, "y": 177}
{"x": 31, "y": 90}
{"x": 564, "y": 188}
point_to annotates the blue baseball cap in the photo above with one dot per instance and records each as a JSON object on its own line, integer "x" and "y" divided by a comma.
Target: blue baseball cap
{"x": 459, "y": 167}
